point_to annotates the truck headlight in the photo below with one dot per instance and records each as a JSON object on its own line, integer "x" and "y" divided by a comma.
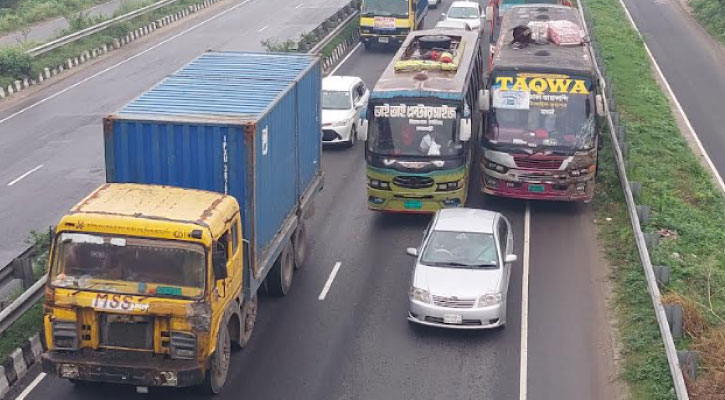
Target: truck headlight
{"x": 418, "y": 294}
{"x": 489, "y": 299}
{"x": 65, "y": 335}
{"x": 183, "y": 345}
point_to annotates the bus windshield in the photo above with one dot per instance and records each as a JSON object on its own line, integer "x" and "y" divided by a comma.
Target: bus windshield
{"x": 413, "y": 130}
{"x": 541, "y": 112}
{"x": 385, "y": 8}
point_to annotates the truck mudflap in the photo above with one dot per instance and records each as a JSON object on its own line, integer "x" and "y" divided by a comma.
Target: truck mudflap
{"x": 121, "y": 367}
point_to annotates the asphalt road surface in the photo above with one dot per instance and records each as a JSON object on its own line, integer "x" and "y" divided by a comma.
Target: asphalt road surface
{"x": 48, "y": 30}
{"x": 694, "y": 65}
{"x": 356, "y": 343}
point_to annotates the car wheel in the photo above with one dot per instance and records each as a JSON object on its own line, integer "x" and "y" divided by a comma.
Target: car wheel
{"x": 353, "y": 135}
{"x": 216, "y": 375}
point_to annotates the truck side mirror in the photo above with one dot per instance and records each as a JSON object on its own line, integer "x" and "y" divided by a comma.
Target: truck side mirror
{"x": 600, "y": 105}
{"x": 363, "y": 134}
{"x": 489, "y": 13}
{"x": 483, "y": 100}
{"x": 219, "y": 264}
{"x": 465, "y": 134}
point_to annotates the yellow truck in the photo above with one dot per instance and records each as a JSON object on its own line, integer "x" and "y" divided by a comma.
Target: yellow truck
{"x": 153, "y": 277}
{"x": 388, "y": 22}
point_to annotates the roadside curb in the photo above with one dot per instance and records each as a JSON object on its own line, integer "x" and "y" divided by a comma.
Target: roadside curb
{"x": 16, "y": 365}
{"x": 114, "y": 44}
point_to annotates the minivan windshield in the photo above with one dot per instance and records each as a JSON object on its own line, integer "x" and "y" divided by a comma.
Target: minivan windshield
{"x": 128, "y": 265}
{"x": 460, "y": 249}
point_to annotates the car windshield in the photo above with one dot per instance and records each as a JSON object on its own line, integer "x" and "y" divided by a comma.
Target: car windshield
{"x": 459, "y": 249}
{"x": 413, "y": 130}
{"x": 128, "y": 265}
{"x": 541, "y": 112}
{"x": 336, "y": 100}
{"x": 463, "y": 12}
{"x": 385, "y": 8}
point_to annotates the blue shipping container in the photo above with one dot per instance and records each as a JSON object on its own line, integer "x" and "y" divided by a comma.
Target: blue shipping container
{"x": 242, "y": 123}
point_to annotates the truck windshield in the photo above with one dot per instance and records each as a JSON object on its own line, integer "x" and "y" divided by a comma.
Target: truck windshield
{"x": 128, "y": 265}
{"x": 385, "y": 8}
{"x": 414, "y": 130}
{"x": 541, "y": 112}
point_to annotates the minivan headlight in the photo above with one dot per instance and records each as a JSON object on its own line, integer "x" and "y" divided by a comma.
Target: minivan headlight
{"x": 489, "y": 299}
{"x": 183, "y": 345}
{"x": 419, "y": 294}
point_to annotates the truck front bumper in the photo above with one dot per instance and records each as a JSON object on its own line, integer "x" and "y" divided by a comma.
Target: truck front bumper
{"x": 372, "y": 39}
{"x": 121, "y": 367}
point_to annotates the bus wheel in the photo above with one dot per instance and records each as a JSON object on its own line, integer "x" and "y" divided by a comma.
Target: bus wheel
{"x": 280, "y": 277}
{"x": 299, "y": 240}
{"x": 249, "y": 318}
{"x": 216, "y": 375}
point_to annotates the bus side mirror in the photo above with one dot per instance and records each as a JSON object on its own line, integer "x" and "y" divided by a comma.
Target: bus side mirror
{"x": 363, "y": 134}
{"x": 219, "y": 264}
{"x": 600, "y": 105}
{"x": 465, "y": 134}
{"x": 483, "y": 100}
{"x": 489, "y": 13}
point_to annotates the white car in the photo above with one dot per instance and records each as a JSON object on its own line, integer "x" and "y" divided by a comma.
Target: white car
{"x": 343, "y": 100}
{"x": 453, "y": 25}
{"x": 462, "y": 271}
{"x": 466, "y": 11}
{"x": 433, "y": 3}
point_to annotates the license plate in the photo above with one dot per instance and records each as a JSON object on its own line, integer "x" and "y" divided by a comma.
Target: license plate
{"x": 536, "y": 188}
{"x": 383, "y": 39}
{"x": 452, "y": 319}
{"x": 413, "y": 204}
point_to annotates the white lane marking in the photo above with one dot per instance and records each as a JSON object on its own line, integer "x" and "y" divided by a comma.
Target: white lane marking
{"x": 674, "y": 98}
{"x": 21, "y": 177}
{"x": 112, "y": 67}
{"x": 523, "y": 373}
{"x": 331, "y": 278}
{"x": 262, "y": 28}
{"x": 299, "y": 5}
{"x": 345, "y": 59}
{"x": 30, "y": 387}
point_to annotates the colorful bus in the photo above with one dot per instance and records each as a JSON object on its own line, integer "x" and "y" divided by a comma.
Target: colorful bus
{"x": 388, "y": 22}
{"x": 542, "y": 104}
{"x": 419, "y": 121}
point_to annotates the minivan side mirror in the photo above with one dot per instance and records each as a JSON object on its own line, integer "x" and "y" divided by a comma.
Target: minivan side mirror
{"x": 600, "y": 105}
{"x": 483, "y": 100}
{"x": 412, "y": 251}
{"x": 363, "y": 134}
{"x": 219, "y": 264}
{"x": 443, "y": 15}
{"x": 510, "y": 258}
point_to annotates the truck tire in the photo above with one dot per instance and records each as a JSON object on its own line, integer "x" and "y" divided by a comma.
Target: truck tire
{"x": 249, "y": 319}
{"x": 216, "y": 375}
{"x": 280, "y": 277}
{"x": 300, "y": 242}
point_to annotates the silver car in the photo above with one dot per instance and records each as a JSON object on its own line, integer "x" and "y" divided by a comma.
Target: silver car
{"x": 462, "y": 270}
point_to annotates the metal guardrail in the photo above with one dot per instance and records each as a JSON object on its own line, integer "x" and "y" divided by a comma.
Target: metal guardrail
{"x": 18, "y": 268}
{"x": 96, "y": 28}
{"x": 22, "y": 304}
{"x": 654, "y": 291}
{"x": 320, "y": 45}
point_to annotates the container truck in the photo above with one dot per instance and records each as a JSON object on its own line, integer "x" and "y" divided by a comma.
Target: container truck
{"x": 153, "y": 277}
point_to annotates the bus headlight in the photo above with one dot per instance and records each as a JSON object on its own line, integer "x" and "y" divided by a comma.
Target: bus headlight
{"x": 446, "y": 186}
{"x": 378, "y": 184}
{"x": 495, "y": 166}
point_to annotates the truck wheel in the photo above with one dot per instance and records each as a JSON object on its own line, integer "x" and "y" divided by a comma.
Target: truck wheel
{"x": 280, "y": 277}
{"x": 216, "y": 375}
{"x": 300, "y": 242}
{"x": 249, "y": 318}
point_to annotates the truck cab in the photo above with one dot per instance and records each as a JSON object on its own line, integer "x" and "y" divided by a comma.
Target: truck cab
{"x": 388, "y": 22}
{"x": 145, "y": 288}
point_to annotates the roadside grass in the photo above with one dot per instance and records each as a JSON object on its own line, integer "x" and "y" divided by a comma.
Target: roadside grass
{"x": 711, "y": 14}
{"x": 15, "y": 15}
{"x": 18, "y": 333}
{"x": 60, "y": 55}
{"x": 343, "y": 35}
{"x": 687, "y": 212}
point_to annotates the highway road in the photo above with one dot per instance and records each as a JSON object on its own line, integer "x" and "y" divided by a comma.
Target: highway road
{"x": 356, "y": 343}
{"x": 693, "y": 64}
